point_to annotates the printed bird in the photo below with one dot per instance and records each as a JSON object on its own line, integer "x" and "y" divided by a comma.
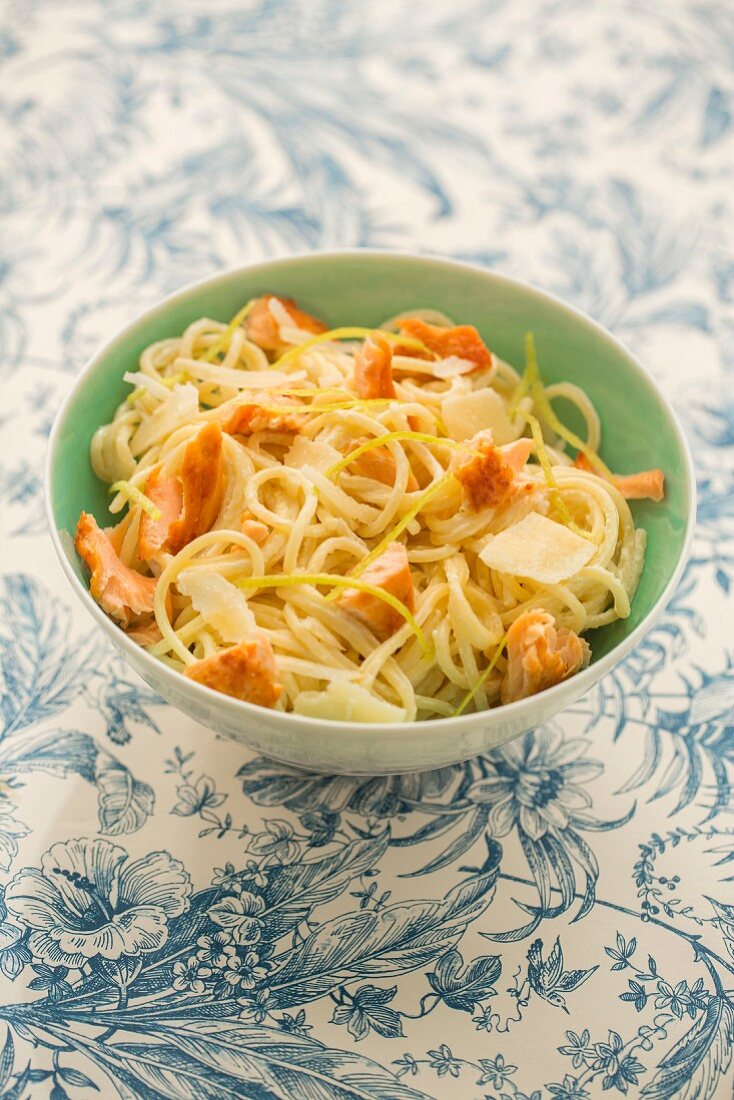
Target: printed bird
{"x": 548, "y": 978}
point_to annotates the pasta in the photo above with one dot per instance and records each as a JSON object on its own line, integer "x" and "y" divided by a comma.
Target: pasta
{"x": 356, "y": 524}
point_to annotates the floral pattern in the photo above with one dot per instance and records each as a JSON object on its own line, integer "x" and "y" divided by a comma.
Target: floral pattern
{"x": 553, "y": 920}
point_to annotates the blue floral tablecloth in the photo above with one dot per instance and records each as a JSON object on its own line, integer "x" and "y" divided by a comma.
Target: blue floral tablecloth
{"x": 554, "y": 920}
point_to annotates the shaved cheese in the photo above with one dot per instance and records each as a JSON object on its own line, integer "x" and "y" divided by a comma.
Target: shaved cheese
{"x": 180, "y": 407}
{"x": 465, "y": 414}
{"x": 345, "y": 702}
{"x": 307, "y": 452}
{"x": 452, "y": 367}
{"x": 222, "y": 605}
{"x": 539, "y": 549}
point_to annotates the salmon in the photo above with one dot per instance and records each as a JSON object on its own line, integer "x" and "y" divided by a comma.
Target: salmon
{"x": 262, "y": 328}
{"x": 463, "y": 341}
{"x": 167, "y": 495}
{"x": 373, "y": 368}
{"x": 251, "y": 417}
{"x": 244, "y": 671}
{"x": 391, "y": 572}
{"x": 203, "y": 481}
{"x": 119, "y": 590}
{"x": 379, "y": 464}
{"x": 539, "y": 656}
{"x": 488, "y": 478}
{"x": 253, "y": 528}
{"x": 146, "y": 633}
{"x": 646, "y": 485}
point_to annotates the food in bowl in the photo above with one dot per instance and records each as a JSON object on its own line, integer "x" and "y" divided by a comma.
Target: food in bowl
{"x": 375, "y": 525}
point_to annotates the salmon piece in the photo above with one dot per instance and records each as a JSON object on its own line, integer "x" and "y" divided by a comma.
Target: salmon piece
{"x": 379, "y": 464}
{"x": 119, "y": 590}
{"x": 262, "y": 328}
{"x": 488, "y": 478}
{"x": 539, "y": 656}
{"x": 145, "y": 634}
{"x": 244, "y": 671}
{"x": 373, "y": 368}
{"x": 167, "y": 495}
{"x": 253, "y": 528}
{"x": 463, "y": 341}
{"x": 391, "y": 572}
{"x": 253, "y": 417}
{"x": 203, "y": 481}
{"x": 647, "y": 485}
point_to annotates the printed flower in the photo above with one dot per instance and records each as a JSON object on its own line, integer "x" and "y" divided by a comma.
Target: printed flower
{"x": 240, "y": 915}
{"x": 483, "y": 1020}
{"x": 367, "y": 1010}
{"x": 10, "y": 831}
{"x": 570, "y": 1089}
{"x": 191, "y": 974}
{"x": 495, "y": 1071}
{"x": 256, "y": 1006}
{"x": 579, "y": 1049}
{"x": 223, "y": 876}
{"x": 210, "y": 949}
{"x": 201, "y": 795}
{"x": 243, "y": 970}
{"x": 53, "y": 980}
{"x": 627, "y": 1073}
{"x": 88, "y": 901}
{"x": 14, "y": 955}
{"x": 537, "y": 784}
{"x": 295, "y": 1025}
{"x": 256, "y": 874}
{"x": 443, "y": 1061}
{"x": 407, "y": 1064}
{"x": 276, "y": 843}
{"x": 678, "y": 1000}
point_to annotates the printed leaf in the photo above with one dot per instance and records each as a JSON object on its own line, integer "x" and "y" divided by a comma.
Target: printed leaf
{"x": 223, "y": 1059}
{"x": 725, "y": 913}
{"x": 392, "y": 940}
{"x": 694, "y": 1068}
{"x": 464, "y": 988}
{"x": 124, "y": 802}
{"x": 41, "y": 675}
{"x": 295, "y": 889}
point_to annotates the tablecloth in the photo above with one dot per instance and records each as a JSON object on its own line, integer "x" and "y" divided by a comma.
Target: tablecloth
{"x": 553, "y": 920}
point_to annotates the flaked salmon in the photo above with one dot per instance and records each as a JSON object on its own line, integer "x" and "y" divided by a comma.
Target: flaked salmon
{"x": 373, "y": 368}
{"x": 539, "y": 655}
{"x": 462, "y": 341}
{"x": 263, "y": 329}
{"x": 244, "y": 671}
{"x": 119, "y": 590}
{"x": 646, "y": 485}
{"x": 391, "y": 572}
{"x": 489, "y": 477}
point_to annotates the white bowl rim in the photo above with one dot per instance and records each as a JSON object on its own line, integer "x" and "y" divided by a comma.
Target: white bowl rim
{"x": 582, "y": 681}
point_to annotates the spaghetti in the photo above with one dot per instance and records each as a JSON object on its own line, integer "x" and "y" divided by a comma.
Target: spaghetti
{"x": 360, "y": 524}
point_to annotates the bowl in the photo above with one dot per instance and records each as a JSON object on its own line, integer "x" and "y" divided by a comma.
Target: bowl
{"x": 363, "y": 287}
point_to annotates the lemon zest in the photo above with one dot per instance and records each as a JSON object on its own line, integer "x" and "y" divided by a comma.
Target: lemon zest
{"x": 482, "y": 679}
{"x": 545, "y": 465}
{"x": 530, "y": 376}
{"x": 336, "y": 581}
{"x": 220, "y": 344}
{"x": 136, "y": 499}
{"x": 354, "y": 332}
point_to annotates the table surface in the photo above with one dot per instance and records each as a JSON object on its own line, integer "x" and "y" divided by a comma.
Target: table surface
{"x": 552, "y": 920}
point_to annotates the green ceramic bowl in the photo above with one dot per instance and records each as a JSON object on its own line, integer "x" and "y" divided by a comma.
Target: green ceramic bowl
{"x": 363, "y": 287}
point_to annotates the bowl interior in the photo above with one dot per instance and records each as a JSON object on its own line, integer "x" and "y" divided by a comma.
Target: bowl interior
{"x": 364, "y": 289}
